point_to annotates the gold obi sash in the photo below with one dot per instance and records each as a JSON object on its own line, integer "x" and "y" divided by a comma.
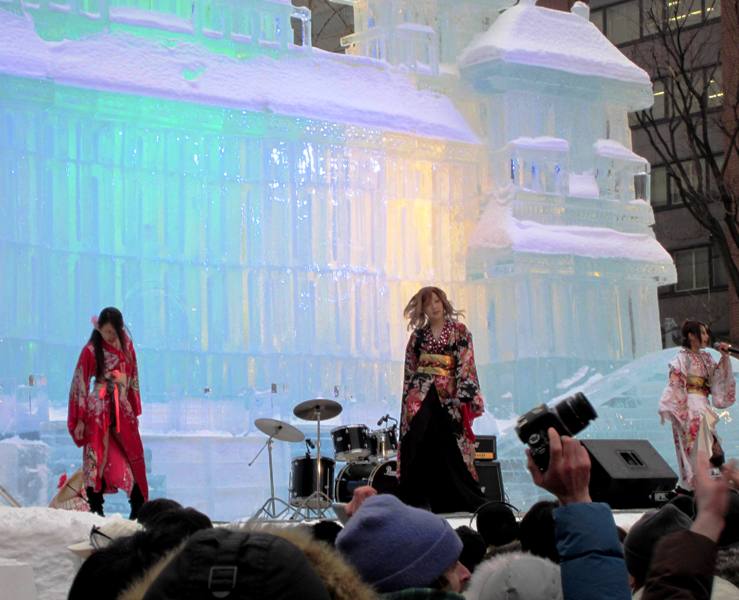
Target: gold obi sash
{"x": 697, "y": 385}
{"x": 436, "y": 364}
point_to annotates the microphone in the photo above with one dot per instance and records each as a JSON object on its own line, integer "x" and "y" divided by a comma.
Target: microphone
{"x": 730, "y": 349}
{"x": 309, "y": 443}
{"x": 383, "y": 420}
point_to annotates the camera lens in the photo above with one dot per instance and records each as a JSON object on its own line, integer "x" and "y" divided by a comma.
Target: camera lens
{"x": 575, "y": 412}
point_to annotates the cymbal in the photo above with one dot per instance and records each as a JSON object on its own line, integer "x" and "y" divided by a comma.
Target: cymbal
{"x": 311, "y": 409}
{"x": 279, "y": 430}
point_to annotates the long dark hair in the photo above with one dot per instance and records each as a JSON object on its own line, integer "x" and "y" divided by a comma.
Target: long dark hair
{"x": 693, "y": 327}
{"x": 113, "y": 316}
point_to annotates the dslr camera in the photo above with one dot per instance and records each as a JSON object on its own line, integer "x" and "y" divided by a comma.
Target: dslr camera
{"x": 568, "y": 417}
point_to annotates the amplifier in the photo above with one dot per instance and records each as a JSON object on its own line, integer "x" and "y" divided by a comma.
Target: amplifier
{"x": 485, "y": 447}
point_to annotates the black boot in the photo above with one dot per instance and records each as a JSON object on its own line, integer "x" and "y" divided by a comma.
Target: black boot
{"x": 95, "y": 500}
{"x": 135, "y": 500}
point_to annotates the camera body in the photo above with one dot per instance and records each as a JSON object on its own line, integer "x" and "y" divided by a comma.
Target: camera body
{"x": 568, "y": 417}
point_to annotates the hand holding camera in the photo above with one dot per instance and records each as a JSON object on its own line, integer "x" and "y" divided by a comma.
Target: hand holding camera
{"x": 568, "y": 417}
{"x": 568, "y": 474}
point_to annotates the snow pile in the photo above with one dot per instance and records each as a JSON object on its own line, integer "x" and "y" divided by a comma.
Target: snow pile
{"x": 552, "y": 39}
{"x": 592, "y": 242}
{"x": 316, "y": 84}
{"x": 39, "y": 537}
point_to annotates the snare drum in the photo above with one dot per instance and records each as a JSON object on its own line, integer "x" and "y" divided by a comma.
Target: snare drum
{"x": 384, "y": 444}
{"x": 382, "y": 477}
{"x": 351, "y": 442}
{"x": 303, "y": 478}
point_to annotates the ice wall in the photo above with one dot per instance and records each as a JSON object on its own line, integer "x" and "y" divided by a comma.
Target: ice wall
{"x": 261, "y": 213}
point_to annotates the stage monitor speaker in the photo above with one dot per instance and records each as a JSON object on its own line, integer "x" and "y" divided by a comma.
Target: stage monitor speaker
{"x": 626, "y": 473}
{"x": 491, "y": 480}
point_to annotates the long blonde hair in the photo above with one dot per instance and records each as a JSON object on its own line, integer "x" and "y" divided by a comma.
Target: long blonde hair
{"x": 414, "y": 309}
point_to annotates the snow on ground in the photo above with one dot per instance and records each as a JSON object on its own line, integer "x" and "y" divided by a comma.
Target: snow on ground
{"x": 39, "y": 537}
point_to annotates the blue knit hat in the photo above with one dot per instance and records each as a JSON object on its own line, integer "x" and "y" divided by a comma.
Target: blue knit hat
{"x": 395, "y": 546}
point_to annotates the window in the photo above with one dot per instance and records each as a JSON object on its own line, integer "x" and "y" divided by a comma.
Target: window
{"x": 622, "y": 22}
{"x": 659, "y": 108}
{"x": 692, "y": 269}
{"x": 652, "y": 15}
{"x": 719, "y": 276}
{"x": 685, "y": 12}
{"x": 713, "y": 9}
{"x": 596, "y": 18}
{"x": 714, "y": 89}
{"x": 659, "y": 186}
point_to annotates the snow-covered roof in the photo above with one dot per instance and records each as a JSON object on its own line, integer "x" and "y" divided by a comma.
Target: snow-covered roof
{"x": 311, "y": 84}
{"x": 614, "y": 149}
{"x": 508, "y": 232}
{"x": 552, "y": 39}
{"x": 541, "y": 143}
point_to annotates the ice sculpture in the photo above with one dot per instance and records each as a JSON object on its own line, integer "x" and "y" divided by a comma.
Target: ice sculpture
{"x": 261, "y": 211}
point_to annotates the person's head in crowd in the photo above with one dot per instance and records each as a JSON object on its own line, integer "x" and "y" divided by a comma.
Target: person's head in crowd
{"x": 473, "y": 547}
{"x": 515, "y": 575}
{"x": 536, "y": 531}
{"x": 395, "y": 547}
{"x": 224, "y": 563}
{"x": 497, "y": 524}
{"x": 110, "y": 570}
{"x": 622, "y": 533}
{"x": 685, "y": 503}
{"x": 103, "y": 535}
{"x": 179, "y": 522}
{"x": 727, "y": 564}
{"x": 153, "y": 507}
{"x": 644, "y": 535}
{"x": 326, "y": 531}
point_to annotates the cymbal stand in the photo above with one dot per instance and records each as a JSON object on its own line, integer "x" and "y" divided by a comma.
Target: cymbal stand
{"x": 318, "y": 503}
{"x": 269, "y": 511}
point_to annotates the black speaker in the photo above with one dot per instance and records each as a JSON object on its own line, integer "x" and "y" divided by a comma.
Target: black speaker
{"x": 625, "y": 473}
{"x": 491, "y": 480}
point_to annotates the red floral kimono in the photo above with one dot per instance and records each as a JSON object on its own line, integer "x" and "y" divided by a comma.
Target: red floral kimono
{"x": 112, "y": 448}
{"x": 441, "y": 371}
{"x": 693, "y": 377}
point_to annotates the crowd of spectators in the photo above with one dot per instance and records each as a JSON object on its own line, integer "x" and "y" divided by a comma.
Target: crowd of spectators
{"x": 569, "y": 548}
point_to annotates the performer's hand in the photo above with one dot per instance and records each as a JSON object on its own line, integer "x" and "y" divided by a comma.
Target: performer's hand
{"x": 79, "y": 430}
{"x": 360, "y": 495}
{"x": 711, "y": 499}
{"x": 723, "y": 348}
{"x": 118, "y": 377}
{"x": 568, "y": 474}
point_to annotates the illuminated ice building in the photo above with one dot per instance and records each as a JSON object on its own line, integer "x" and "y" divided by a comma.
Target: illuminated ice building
{"x": 261, "y": 211}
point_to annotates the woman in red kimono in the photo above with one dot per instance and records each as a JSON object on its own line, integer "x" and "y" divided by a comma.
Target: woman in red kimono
{"x": 441, "y": 398}
{"x": 103, "y": 414}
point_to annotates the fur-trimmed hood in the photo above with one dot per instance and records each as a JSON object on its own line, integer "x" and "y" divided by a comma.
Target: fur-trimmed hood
{"x": 339, "y": 578}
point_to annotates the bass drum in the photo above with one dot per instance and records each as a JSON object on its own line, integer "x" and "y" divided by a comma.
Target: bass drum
{"x": 303, "y": 479}
{"x": 383, "y": 477}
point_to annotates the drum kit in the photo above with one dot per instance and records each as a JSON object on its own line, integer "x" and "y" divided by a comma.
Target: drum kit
{"x": 369, "y": 457}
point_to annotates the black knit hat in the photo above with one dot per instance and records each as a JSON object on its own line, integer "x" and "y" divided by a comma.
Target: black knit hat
{"x": 243, "y": 565}
{"x": 646, "y": 532}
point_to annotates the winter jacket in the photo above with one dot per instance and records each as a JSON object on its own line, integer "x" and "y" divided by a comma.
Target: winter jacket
{"x": 591, "y": 560}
